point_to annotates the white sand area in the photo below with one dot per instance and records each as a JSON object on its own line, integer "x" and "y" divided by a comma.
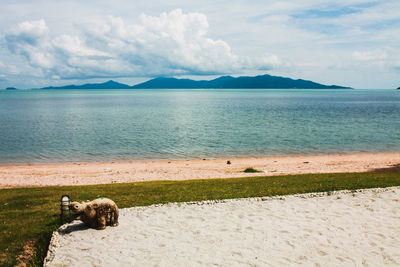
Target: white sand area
{"x": 341, "y": 229}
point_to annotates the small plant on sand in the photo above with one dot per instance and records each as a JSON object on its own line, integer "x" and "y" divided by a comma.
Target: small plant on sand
{"x": 251, "y": 169}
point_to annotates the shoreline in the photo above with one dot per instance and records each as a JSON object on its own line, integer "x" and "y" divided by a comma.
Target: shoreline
{"x": 86, "y": 173}
{"x": 217, "y": 157}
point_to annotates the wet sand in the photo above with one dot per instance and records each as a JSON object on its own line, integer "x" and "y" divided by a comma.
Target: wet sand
{"x": 136, "y": 171}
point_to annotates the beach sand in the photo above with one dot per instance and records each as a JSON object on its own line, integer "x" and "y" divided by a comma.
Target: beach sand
{"x": 135, "y": 171}
{"x": 360, "y": 228}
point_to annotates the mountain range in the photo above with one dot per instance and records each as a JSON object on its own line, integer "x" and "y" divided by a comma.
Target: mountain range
{"x": 261, "y": 81}
{"x": 106, "y": 85}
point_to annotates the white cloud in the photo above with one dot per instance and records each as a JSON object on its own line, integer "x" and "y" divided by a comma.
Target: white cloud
{"x": 386, "y": 59}
{"x": 370, "y": 55}
{"x": 169, "y": 44}
{"x": 30, "y": 39}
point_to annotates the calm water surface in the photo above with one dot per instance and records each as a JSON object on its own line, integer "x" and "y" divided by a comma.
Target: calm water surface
{"x": 110, "y": 125}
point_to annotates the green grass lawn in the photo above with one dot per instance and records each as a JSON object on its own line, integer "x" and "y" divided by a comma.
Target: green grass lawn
{"x": 28, "y": 216}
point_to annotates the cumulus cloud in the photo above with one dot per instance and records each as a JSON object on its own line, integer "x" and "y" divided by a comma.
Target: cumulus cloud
{"x": 31, "y": 40}
{"x": 172, "y": 43}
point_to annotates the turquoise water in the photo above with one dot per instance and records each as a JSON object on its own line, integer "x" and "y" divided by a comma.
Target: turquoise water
{"x": 111, "y": 125}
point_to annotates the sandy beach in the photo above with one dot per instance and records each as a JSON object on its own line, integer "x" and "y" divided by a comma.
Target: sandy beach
{"x": 135, "y": 171}
{"x": 359, "y": 228}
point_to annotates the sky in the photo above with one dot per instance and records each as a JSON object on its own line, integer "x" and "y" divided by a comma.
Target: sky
{"x": 344, "y": 42}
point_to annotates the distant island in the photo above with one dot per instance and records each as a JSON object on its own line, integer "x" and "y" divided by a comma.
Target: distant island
{"x": 106, "y": 85}
{"x": 11, "y": 88}
{"x": 261, "y": 81}
{"x": 265, "y": 81}
{"x": 398, "y": 88}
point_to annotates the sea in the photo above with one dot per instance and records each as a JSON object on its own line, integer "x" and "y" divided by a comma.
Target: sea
{"x": 57, "y": 126}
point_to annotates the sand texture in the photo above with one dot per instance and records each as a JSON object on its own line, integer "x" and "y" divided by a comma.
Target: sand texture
{"x": 121, "y": 172}
{"x": 342, "y": 229}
